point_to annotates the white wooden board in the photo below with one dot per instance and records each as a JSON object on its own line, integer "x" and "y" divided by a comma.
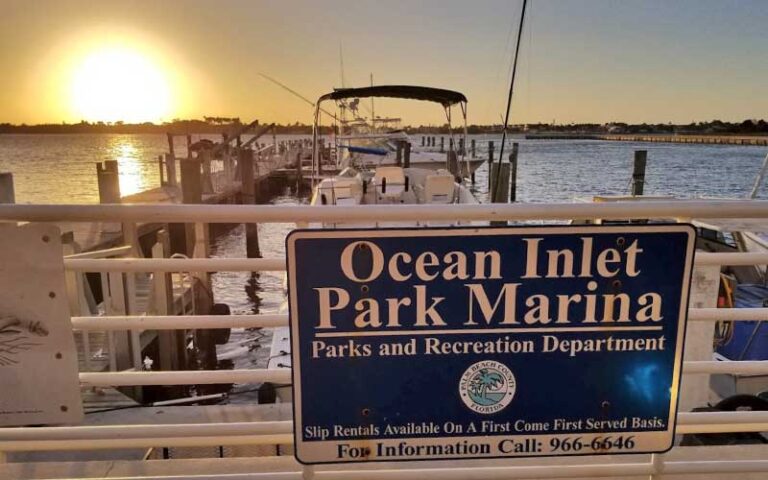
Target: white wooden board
{"x": 38, "y": 360}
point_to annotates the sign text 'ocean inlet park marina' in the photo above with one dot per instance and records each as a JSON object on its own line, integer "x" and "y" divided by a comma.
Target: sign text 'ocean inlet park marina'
{"x": 414, "y": 344}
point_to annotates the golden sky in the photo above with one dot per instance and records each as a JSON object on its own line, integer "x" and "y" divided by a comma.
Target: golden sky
{"x": 581, "y": 60}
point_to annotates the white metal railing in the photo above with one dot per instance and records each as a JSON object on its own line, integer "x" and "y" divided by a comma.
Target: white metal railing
{"x": 250, "y": 433}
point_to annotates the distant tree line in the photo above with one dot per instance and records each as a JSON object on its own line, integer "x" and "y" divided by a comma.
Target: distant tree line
{"x": 209, "y": 125}
{"x": 219, "y": 125}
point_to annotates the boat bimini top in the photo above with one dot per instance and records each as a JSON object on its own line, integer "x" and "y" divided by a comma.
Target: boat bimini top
{"x": 446, "y": 98}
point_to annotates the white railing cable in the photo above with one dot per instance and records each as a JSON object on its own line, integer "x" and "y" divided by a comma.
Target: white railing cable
{"x": 489, "y": 473}
{"x": 184, "y": 377}
{"x": 727, "y": 314}
{"x": 193, "y": 377}
{"x": 181, "y": 322}
{"x": 732, "y": 259}
{"x": 757, "y": 367}
{"x": 678, "y": 209}
{"x": 176, "y": 265}
{"x": 691, "y": 422}
{"x": 178, "y": 322}
{"x": 278, "y": 264}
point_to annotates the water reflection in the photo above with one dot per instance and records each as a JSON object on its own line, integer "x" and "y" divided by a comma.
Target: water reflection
{"x": 134, "y": 174}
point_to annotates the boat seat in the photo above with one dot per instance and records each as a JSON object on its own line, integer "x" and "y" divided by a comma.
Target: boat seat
{"x": 389, "y": 182}
{"x": 439, "y": 188}
{"x": 340, "y": 191}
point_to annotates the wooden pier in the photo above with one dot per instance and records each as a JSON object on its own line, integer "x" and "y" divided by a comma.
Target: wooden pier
{"x": 226, "y": 172}
{"x": 757, "y": 141}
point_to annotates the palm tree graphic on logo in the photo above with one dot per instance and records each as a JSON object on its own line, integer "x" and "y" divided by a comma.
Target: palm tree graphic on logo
{"x": 485, "y": 387}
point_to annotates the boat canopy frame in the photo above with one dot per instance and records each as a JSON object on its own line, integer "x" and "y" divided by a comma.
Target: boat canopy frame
{"x": 446, "y": 98}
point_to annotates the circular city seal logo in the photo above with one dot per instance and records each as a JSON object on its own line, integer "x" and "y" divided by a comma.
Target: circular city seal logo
{"x": 487, "y": 386}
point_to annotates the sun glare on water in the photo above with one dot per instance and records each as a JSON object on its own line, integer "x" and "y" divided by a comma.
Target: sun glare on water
{"x": 119, "y": 84}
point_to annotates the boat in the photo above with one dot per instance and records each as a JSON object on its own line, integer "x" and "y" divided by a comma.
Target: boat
{"x": 365, "y": 144}
{"x": 380, "y": 184}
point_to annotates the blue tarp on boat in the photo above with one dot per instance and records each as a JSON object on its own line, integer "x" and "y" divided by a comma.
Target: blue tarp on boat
{"x": 748, "y": 340}
{"x": 369, "y": 150}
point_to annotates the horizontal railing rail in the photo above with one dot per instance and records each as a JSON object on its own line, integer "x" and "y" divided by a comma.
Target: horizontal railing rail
{"x": 679, "y": 210}
{"x": 26, "y": 438}
{"x": 280, "y": 432}
{"x": 180, "y": 322}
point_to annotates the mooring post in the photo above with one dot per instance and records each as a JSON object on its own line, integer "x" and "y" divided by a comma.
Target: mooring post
{"x": 442, "y": 144}
{"x": 461, "y": 146}
{"x": 513, "y": 173}
{"x": 170, "y": 144}
{"x": 399, "y": 154}
{"x": 170, "y": 168}
{"x": 407, "y": 154}
{"x": 502, "y": 192}
{"x": 108, "y": 178}
{"x": 183, "y": 235}
{"x": 638, "y": 172}
{"x": 299, "y": 171}
{"x": 490, "y": 165}
{"x": 249, "y": 198}
{"x": 7, "y": 192}
{"x": 473, "y": 148}
{"x": 422, "y": 140}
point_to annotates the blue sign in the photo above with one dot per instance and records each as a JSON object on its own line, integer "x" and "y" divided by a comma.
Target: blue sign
{"x": 414, "y": 344}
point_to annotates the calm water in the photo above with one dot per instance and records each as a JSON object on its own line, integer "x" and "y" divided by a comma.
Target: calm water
{"x": 61, "y": 169}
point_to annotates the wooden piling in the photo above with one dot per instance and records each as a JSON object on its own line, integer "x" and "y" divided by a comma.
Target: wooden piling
{"x": 249, "y": 198}
{"x": 513, "y": 173}
{"x": 170, "y": 169}
{"x": 442, "y": 144}
{"x": 399, "y": 154}
{"x": 473, "y": 148}
{"x": 7, "y": 192}
{"x": 502, "y": 192}
{"x": 299, "y": 171}
{"x": 422, "y": 140}
{"x": 490, "y": 164}
{"x": 638, "y": 172}
{"x": 183, "y": 235}
{"x": 170, "y": 143}
{"x": 407, "y": 154}
{"x": 108, "y": 179}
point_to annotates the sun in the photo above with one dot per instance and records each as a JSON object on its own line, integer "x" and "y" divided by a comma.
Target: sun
{"x": 119, "y": 84}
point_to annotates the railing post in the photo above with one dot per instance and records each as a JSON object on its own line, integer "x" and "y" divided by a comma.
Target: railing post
{"x": 7, "y": 191}
{"x": 705, "y": 285}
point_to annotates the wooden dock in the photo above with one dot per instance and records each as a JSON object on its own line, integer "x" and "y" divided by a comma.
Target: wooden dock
{"x": 225, "y": 172}
{"x": 757, "y": 141}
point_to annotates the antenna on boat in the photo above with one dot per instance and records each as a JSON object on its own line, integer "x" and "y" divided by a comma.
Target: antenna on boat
{"x": 373, "y": 115}
{"x": 509, "y": 101}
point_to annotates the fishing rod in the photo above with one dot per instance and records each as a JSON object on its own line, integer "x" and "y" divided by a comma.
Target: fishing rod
{"x": 297, "y": 94}
{"x": 495, "y": 188}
